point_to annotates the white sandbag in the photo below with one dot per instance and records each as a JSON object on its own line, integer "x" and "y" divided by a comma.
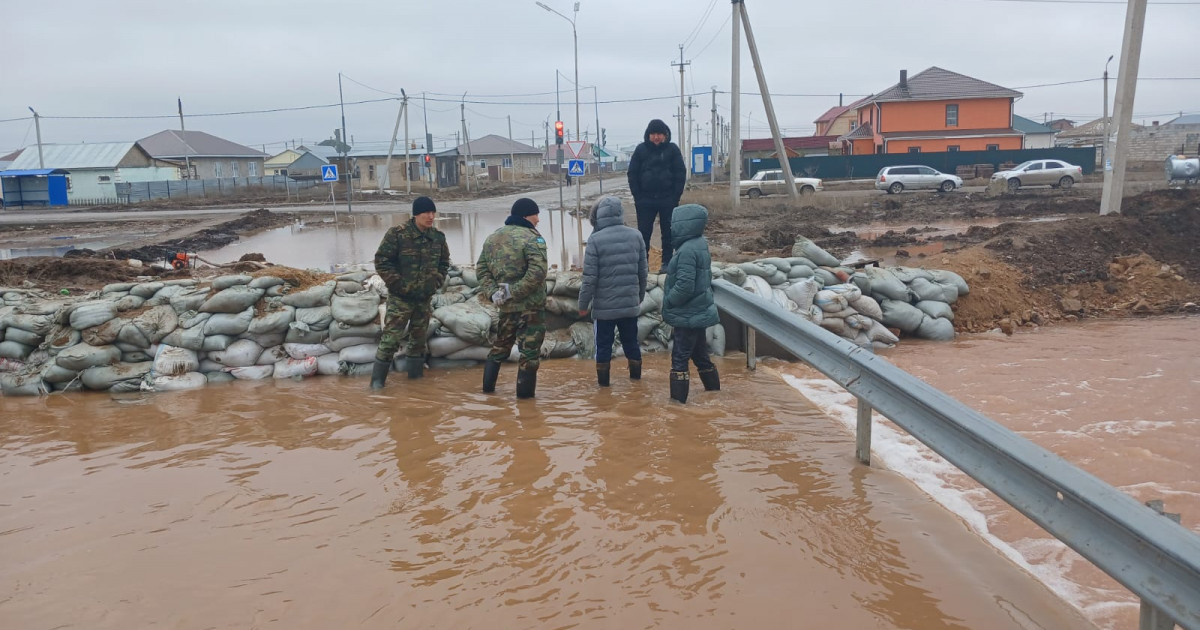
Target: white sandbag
{"x": 362, "y": 353}
{"x": 885, "y": 284}
{"x": 355, "y": 309}
{"x": 327, "y": 364}
{"x": 40, "y": 324}
{"x": 22, "y": 336}
{"x": 908, "y": 274}
{"x": 273, "y": 319}
{"x": 936, "y": 329}
{"x": 830, "y": 301}
{"x": 468, "y": 320}
{"x": 59, "y": 340}
{"x": 300, "y": 333}
{"x": 799, "y": 272}
{"x": 646, "y": 325}
{"x": 473, "y": 353}
{"x": 224, "y": 282}
{"x": 172, "y": 361}
{"x": 265, "y": 282}
{"x": 252, "y": 372}
{"x": 146, "y": 290}
{"x": 867, "y": 305}
{"x": 810, "y": 250}
{"x": 94, "y": 313}
{"x": 193, "y": 319}
{"x": 131, "y": 338}
{"x": 758, "y": 286}
{"x": 802, "y": 292}
{"x": 271, "y": 355}
{"x": 310, "y": 298}
{"x": 584, "y": 337}
{"x": 13, "y": 384}
{"x": 859, "y": 322}
{"x": 118, "y": 287}
{"x": 218, "y": 376}
{"x": 338, "y": 330}
{"x": 235, "y": 299}
{"x": 105, "y": 377}
{"x": 780, "y": 299}
{"x": 801, "y": 261}
{"x": 82, "y": 356}
{"x": 208, "y": 365}
{"x": 848, "y": 290}
{"x": 179, "y": 382}
{"x": 129, "y": 303}
{"x": 934, "y": 308}
{"x": 567, "y": 284}
{"x": 315, "y": 317}
{"x": 355, "y": 369}
{"x": 190, "y": 338}
{"x": 924, "y": 289}
{"x": 105, "y": 333}
{"x": 446, "y": 298}
{"x": 652, "y": 302}
{"x": 825, "y": 276}
{"x": 12, "y": 365}
{"x": 54, "y": 373}
{"x": 714, "y": 336}
{"x": 470, "y": 278}
{"x": 266, "y": 340}
{"x": 878, "y": 332}
{"x": 189, "y": 300}
{"x": 563, "y": 306}
{"x": 240, "y": 353}
{"x": 443, "y": 346}
{"x": 156, "y": 323}
{"x": 949, "y": 292}
{"x": 305, "y": 350}
{"x": 902, "y": 315}
{"x": 943, "y": 276}
{"x": 558, "y": 344}
{"x": 782, "y": 264}
{"x": 756, "y": 269}
{"x": 337, "y": 345}
{"x": 291, "y": 368}
{"x": 734, "y": 274}
{"x": 835, "y": 325}
{"x": 862, "y": 281}
{"x": 231, "y": 324}
{"x": 137, "y": 356}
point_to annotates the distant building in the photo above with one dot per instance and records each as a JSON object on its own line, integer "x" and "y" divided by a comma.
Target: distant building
{"x": 210, "y": 157}
{"x": 1060, "y": 124}
{"x": 1037, "y": 135}
{"x": 94, "y": 169}
{"x": 758, "y": 148}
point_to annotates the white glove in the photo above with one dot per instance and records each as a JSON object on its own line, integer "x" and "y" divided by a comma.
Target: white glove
{"x": 501, "y": 295}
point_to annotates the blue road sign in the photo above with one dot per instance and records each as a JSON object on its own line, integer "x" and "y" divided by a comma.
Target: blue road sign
{"x": 575, "y": 168}
{"x": 329, "y": 173}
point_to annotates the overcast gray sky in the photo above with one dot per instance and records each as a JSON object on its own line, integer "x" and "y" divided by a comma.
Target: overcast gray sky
{"x": 132, "y": 58}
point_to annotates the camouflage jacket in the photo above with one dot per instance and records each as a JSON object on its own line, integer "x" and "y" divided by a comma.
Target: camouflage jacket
{"x": 413, "y": 263}
{"x": 514, "y": 254}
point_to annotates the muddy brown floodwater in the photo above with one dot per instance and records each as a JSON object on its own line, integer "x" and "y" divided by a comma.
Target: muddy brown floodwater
{"x": 315, "y": 505}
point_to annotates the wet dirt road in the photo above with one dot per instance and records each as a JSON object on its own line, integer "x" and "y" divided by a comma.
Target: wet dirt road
{"x": 314, "y": 505}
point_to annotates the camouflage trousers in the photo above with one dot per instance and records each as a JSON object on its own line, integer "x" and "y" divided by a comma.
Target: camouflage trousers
{"x": 402, "y": 313}
{"x": 527, "y": 329}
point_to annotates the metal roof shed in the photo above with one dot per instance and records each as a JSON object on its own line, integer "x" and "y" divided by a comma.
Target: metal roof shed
{"x": 34, "y": 187}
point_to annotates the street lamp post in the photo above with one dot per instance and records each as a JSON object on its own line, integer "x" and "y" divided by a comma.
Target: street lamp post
{"x": 1104, "y": 145}
{"x": 578, "y": 192}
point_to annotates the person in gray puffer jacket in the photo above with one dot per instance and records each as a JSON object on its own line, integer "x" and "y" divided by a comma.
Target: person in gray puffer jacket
{"x": 614, "y": 285}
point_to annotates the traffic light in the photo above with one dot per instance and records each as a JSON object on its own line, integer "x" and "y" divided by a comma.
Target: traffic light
{"x": 426, "y": 159}
{"x": 558, "y": 132}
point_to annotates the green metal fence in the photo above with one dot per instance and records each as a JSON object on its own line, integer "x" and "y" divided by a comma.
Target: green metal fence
{"x": 866, "y": 166}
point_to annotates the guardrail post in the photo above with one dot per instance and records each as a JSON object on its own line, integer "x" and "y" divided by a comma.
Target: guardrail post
{"x": 1152, "y": 618}
{"x": 862, "y": 438}
{"x": 751, "y": 353}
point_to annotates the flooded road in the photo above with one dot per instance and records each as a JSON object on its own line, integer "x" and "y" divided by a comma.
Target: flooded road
{"x": 1118, "y": 399}
{"x": 311, "y": 504}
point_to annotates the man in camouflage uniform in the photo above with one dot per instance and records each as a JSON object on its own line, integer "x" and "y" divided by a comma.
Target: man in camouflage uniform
{"x": 412, "y": 260}
{"x": 512, "y": 274}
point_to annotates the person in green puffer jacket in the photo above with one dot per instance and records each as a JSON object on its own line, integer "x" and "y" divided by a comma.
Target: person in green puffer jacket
{"x": 413, "y": 261}
{"x": 512, "y": 274}
{"x": 688, "y": 304}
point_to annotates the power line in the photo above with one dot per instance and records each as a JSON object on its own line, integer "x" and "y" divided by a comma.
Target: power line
{"x": 696, "y": 30}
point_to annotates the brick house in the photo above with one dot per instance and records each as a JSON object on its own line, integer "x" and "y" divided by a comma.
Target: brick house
{"x": 935, "y": 110}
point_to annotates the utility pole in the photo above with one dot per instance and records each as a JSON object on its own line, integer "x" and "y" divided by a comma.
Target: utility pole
{"x": 345, "y": 151}
{"x": 599, "y": 136}
{"x": 407, "y": 144}
{"x": 712, "y": 144}
{"x": 428, "y": 139}
{"x": 37, "y": 123}
{"x": 512, "y": 158}
{"x": 770, "y": 109}
{"x": 1105, "y": 123}
{"x": 735, "y": 107}
{"x": 187, "y": 160}
{"x": 387, "y": 165}
{"x": 470, "y": 170}
{"x": 682, "y": 136}
{"x": 1127, "y": 72}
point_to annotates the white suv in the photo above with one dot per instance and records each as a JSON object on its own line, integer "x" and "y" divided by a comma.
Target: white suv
{"x": 895, "y": 179}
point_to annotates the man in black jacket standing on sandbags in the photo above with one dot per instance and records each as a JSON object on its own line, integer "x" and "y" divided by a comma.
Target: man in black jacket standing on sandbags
{"x": 656, "y": 178}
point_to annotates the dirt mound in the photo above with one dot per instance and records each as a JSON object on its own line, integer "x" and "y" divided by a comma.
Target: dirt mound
{"x": 73, "y": 274}
{"x": 208, "y": 238}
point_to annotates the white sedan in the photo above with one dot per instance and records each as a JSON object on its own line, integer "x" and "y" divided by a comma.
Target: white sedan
{"x": 1053, "y": 173}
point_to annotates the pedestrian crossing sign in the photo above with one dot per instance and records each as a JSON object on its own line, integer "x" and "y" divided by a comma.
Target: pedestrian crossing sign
{"x": 329, "y": 173}
{"x": 575, "y": 168}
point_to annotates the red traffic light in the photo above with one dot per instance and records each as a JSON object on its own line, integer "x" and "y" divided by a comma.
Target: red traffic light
{"x": 558, "y": 132}
{"x": 426, "y": 158}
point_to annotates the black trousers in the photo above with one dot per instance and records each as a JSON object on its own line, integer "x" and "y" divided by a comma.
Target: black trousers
{"x": 647, "y": 212}
{"x": 689, "y": 343}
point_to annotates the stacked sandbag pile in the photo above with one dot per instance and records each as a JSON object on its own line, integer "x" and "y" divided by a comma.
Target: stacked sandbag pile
{"x": 868, "y": 307}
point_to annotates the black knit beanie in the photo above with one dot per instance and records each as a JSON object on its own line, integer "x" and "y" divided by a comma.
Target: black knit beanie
{"x": 421, "y": 205}
{"x": 524, "y": 207}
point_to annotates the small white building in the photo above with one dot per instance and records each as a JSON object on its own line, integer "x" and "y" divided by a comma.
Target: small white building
{"x": 96, "y": 168}
{"x": 1037, "y": 135}
{"x": 210, "y": 157}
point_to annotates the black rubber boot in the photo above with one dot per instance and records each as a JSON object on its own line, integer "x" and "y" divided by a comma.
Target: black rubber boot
{"x": 416, "y": 366}
{"x": 526, "y": 383}
{"x": 602, "y": 374}
{"x": 379, "y": 374}
{"x": 711, "y": 380}
{"x": 635, "y": 369}
{"x": 491, "y": 371}
{"x": 679, "y": 386}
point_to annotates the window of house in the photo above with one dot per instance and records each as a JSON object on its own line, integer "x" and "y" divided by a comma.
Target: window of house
{"x": 952, "y": 115}
{"x": 233, "y": 168}
{"x": 914, "y": 149}
{"x": 371, "y": 172}
{"x": 853, "y": 125}
{"x": 252, "y": 169}
{"x": 68, "y": 182}
{"x": 507, "y": 162}
{"x": 953, "y": 147}
{"x": 104, "y": 178}
{"x": 218, "y": 171}
{"x": 993, "y": 147}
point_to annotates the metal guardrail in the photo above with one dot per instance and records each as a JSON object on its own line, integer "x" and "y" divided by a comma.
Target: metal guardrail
{"x": 1150, "y": 555}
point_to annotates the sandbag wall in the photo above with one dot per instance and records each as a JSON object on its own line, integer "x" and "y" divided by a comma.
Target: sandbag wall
{"x": 866, "y": 306}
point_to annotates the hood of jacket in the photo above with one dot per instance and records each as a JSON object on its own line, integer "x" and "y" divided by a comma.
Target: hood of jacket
{"x": 688, "y": 222}
{"x": 657, "y": 126}
{"x": 607, "y": 213}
